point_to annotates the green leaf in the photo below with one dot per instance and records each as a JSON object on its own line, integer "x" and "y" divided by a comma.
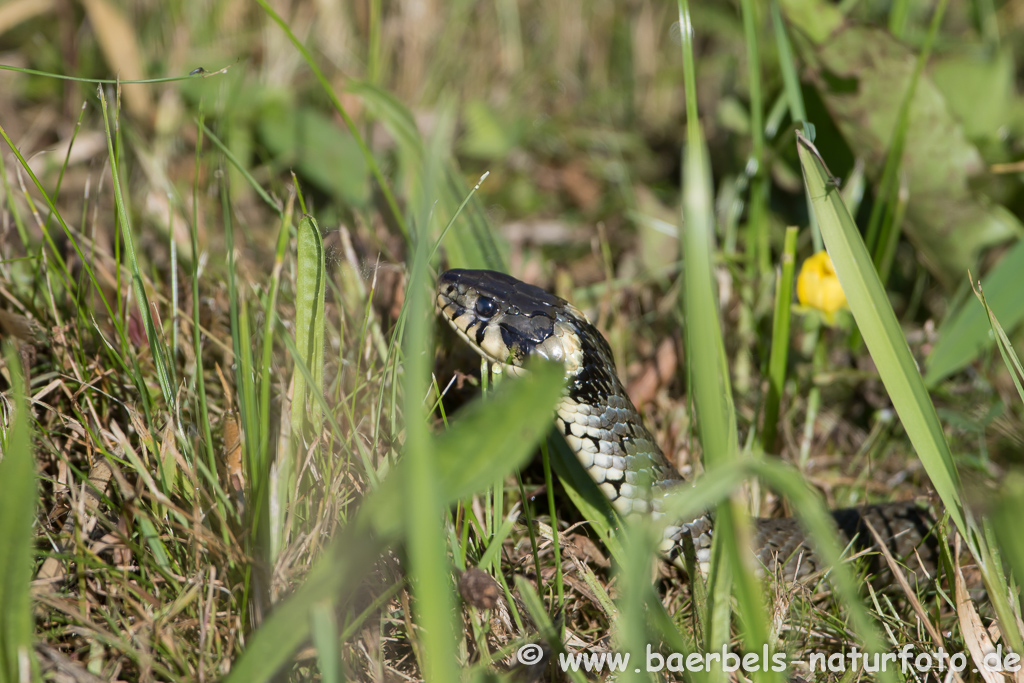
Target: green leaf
{"x": 882, "y": 333}
{"x": 319, "y": 150}
{"x": 965, "y": 333}
{"x": 969, "y": 77}
{"x": 310, "y": 290}
{"x": 489, "y": 438}
{"x": 487, "y": 136}
{"x": 861, "y": 73}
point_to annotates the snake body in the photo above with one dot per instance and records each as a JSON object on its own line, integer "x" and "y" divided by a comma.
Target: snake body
{"x": 508, "y": 321}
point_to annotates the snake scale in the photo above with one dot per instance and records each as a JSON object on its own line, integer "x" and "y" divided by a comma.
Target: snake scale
{"x": 507, "y": 321}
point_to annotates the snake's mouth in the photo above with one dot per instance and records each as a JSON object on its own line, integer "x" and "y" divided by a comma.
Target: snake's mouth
{"x": 468, "y": 326}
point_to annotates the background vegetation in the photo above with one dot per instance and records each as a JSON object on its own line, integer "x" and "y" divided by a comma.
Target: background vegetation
{"x": 229, "y": 447}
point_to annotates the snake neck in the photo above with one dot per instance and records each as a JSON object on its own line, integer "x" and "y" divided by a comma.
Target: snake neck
{"x": 607, "y": 433}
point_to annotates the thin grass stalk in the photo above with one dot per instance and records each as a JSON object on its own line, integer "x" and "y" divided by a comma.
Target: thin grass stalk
{"x": 891, "y": 230}
{"x": 265, "y": 379}
{"x": 1003, "y": 343}
{"x": 55, "y": 251}
{"x": 818, "y": 358}
{"x": 373, "y": 51}
{"x": 794, "y": 97}
{"x": 779, "y": 356}
{"x": 758, "y": 224}
{"x": 172, "y": 245}
{"x": 197, "y": 335}
{"x": 19, "y": 223}
{"x": 555, "y": 542}
{"x": 67, "y": 159}
{"x": 237, "y": 165}
{"x": 898, "y": 14}
{"x": 241, "y": 344}
{"x": 888, "y": 185}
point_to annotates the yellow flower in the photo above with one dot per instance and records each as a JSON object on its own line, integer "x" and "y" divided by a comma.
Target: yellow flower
{"x": 818, "y": 287}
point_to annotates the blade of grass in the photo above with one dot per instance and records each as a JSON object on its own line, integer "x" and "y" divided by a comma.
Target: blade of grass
{"x": 472, "y": 243}
{"x": 889, "y": 184}
{"x": 705, "y": 348}
{"x": 1003, "y": 343}
{"x": 897, "y": 369}
{"x": 422, "y": 507}
{"x": 758, "y": 224}
{"x": 881, "y": 331}
{"x": 791, "y": 85}
{"x": 780, "y": 341}
{"x": 17, "y": 514}
{"x": 307, "y": 378}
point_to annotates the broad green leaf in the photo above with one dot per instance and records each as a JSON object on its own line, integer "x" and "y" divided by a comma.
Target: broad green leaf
{"x": 882, "y": 333}
{"x": 321, "y": 151}
{"x": 965, "y": 333}
{"x": 487, "y": 135}
{"x": 487, "y": 439}
{"x": 860, "y": 73}
{"x": 966, "y": 78}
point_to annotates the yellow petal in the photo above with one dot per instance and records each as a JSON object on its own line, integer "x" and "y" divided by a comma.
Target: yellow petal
{"x": 818, "y": 287}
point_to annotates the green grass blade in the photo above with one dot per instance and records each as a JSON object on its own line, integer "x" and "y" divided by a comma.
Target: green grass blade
{"x": 882, "y": 334}
{"x": 310, "y": 291}
{"x": 471, "y": 243}
{"x": 307, "y": 378}
{"x": 757, "y": 223}
{"x": 337, "y": 574}
{"x": 1004, "y": 345}
{"x": 814, "y": 516}
{"x": 705, "y": 349}
{"x": 17, "y": 514}
{"x": 157, "y": 344}
{"x": 325, "y": 638}
{"x": 422, "y": 508}
{"x": 489, "y": 438}
{"x": 779, "y": 357}
{"x": 794, "y": 95}
{"x": 584, "y": 494}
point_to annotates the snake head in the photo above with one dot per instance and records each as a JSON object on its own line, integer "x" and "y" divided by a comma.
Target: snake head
{"x": 507, "y": 321}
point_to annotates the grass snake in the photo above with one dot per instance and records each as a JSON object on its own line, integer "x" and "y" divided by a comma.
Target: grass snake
{"x": 507, "y": 321}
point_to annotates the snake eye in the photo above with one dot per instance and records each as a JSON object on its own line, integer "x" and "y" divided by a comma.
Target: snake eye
{"x": 486, "y": 308}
